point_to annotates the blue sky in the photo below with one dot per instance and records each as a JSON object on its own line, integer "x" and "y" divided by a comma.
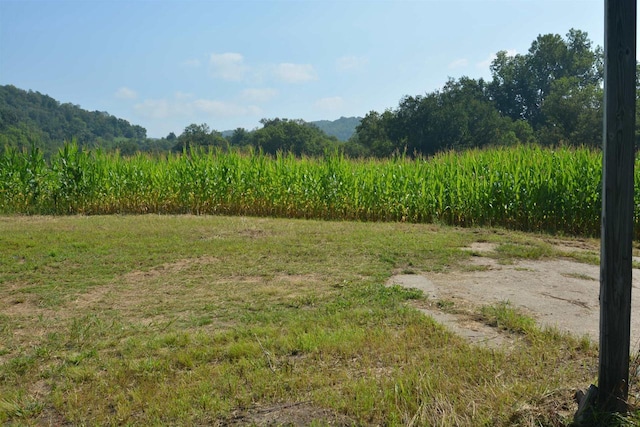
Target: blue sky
{"x": 166, "y": 64}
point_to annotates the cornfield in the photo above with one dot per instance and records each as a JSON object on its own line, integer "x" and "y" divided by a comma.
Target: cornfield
{"x": 525, "y": 187}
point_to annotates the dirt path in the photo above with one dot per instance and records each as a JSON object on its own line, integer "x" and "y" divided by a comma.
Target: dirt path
{"x": 561, "y": 293}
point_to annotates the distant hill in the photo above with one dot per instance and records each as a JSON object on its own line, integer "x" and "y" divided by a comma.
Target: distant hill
{"x": 343, "y": 128}
{"x": 28, "y": 117}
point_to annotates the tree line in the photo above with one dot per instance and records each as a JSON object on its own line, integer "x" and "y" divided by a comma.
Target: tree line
{"x": 29, "y": 119}
{"x": 550, "y": 95}
{"x": 291, "y": 136}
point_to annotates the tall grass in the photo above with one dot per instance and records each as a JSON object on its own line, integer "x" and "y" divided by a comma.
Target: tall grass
{"x": 524, "y": 187}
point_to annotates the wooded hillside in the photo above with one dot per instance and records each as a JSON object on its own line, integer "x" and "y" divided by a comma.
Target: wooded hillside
{"x": 29, "y": 118}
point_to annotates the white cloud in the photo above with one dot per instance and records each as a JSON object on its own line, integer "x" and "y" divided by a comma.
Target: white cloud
{"x": 347, "y": 63}
{"x": 459, "y": 63}
{"x": 126, "y": 93}
{"x": 259, "y": 95}
{"x": 295, "y": 73}
{"x": 221, "y": 108}
{"x": 154, "y": 109}
{"x": 183, "y": 105}
{"x": 487, "y": 62}
{"x": 227, "y": 66}
{"x": 332, "y": 103}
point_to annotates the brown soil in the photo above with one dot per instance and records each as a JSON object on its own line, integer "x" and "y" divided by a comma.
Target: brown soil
{"x": 289, "y": 414}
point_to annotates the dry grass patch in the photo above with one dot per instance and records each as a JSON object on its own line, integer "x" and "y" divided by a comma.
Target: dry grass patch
{"x": 191, "y": 292}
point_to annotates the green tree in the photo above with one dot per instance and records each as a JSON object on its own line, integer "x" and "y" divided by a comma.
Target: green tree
{"x": 374, "y": 135}
{"x": 511, "y": 88}
{"x": 32, "y": 113}
{"x": 354, "y": 149}
{"x": 240, "y": 137}
{"x": 293, "y": 136}
{"x": 522, "y": 83}
{"x": 195, "y": 135}
{"x": 572, "y": 114}
{"x": 127, "y": 147}
{"x": 461, "y": 115}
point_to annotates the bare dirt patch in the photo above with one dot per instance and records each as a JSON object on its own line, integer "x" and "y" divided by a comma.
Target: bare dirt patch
{"x": 560, "y": 293}
{"x": 575, "y": 245}
{"x": 289, "y": 414}
{"x": 481, "y": 247}
{"x": 131, "y": 287}
{"x": 191, "y": 291}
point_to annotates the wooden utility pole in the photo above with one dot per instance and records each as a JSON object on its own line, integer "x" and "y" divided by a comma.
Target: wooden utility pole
{"x": 617, "y": 204}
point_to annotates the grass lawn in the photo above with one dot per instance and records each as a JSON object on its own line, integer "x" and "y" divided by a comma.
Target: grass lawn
{"x": 185, "y": 320}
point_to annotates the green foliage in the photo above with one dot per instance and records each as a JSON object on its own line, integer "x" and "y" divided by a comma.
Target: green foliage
{"x": 572, "y": 114}
{"x": 552, "y": 95}
{"x": 521, "y": 83}
{"x": 240, "y": 137}
{"x": 373, "y": 135}
{"x": 28, "y": 117}
{"x": 291, "y": 136}
{"x": 343, "y": 128}
{"x": 199, "y": 136}
{"x": 31, "y": 119}
{"x": 504, "y": 316}
{"x": 459, "y": 116}
{"x": 522, "y": 187}
{"x": 24, "y": 178}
